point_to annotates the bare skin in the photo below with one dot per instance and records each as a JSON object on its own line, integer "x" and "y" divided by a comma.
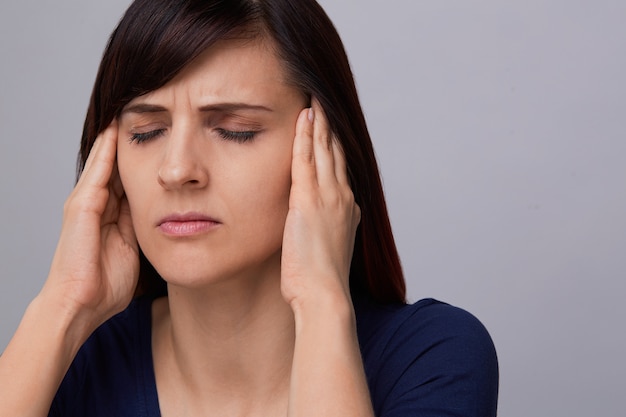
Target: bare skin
{"x": 93, "y": 275}
{"x": 268, "y": 330}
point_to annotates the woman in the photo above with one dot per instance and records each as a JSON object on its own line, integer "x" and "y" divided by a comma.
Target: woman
{"x": 227, "y": 250}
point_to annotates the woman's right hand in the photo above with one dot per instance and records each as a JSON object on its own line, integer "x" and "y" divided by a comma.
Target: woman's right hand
{"x": 93, "y": 276}
{"x": 96, "y": 264}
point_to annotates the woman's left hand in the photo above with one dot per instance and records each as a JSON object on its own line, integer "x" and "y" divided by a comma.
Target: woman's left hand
{"x": 321, "y": 224}
{"x": 327, "y": 376}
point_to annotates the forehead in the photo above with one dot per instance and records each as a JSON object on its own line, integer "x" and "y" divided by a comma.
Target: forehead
{"x": 245, "y": 70}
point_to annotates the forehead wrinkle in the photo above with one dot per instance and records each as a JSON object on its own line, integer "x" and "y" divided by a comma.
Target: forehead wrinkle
{"x": 230, "y": 72}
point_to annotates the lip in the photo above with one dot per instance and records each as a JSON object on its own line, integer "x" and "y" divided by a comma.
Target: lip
{"x": 187, "y": 224}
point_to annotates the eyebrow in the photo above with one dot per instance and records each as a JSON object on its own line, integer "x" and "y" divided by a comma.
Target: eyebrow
{"x": 217, "y": 107}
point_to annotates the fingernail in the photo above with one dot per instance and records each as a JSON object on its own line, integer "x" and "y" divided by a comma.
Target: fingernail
{"x": 311, "y": 115}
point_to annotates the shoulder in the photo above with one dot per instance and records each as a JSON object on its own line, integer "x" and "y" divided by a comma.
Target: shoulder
{"x": 427, "y": 356}
{"x": 112, "y": 367}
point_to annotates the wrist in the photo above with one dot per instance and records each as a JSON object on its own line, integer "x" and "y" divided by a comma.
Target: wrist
{"x": 37, "y": 358}
{"x": 69, "y": 326}
{"x": 326, "y": 310}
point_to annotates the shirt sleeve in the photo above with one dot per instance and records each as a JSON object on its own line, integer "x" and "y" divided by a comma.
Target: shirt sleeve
{"x": 435, "y": 360}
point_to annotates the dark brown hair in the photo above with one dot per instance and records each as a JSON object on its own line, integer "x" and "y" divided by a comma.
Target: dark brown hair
{"x": 156, "y": 39}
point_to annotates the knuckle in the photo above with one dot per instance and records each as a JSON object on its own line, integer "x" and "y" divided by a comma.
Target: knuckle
{"x": 81, "y": 202}
{"x": 356, "y": 213}
{"x": 334, "y": 198}
{"x": 347, "y": 194}
{"x": 305, "y": 158}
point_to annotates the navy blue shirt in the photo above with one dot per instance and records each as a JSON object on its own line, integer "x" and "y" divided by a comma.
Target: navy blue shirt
{"x": 426, "y": 359}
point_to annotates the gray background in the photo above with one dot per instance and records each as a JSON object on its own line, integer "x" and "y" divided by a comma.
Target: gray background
{"x": 499, "y": 128}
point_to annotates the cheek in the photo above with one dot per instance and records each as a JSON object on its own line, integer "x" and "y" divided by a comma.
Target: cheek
{"x": 268, "y": 188}
{"x": 278, "y": 174}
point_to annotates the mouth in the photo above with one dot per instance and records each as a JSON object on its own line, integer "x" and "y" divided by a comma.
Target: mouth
{"x": 188, "y": 224}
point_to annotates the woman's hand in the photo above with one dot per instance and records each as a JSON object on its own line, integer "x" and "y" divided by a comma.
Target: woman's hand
{"x": 327, "y": 377}
{"x": 96, "y": 265}
{"x": 93, "y": 276}
{"x": 322, "y": 220}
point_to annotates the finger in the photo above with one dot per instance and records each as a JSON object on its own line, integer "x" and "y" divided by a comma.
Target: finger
{"x": 341, "y": 170}
{"x": 303, "y": 162}
{"x": 356, "y": 217}
{"x": 116, "y": 192}
{"x": 92, "y": 152}
{"x": 100, "y": 161}
{"x": 322, "y": 148}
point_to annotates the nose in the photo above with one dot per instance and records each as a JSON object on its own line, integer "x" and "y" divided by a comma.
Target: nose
{"x": 182, "y": 164}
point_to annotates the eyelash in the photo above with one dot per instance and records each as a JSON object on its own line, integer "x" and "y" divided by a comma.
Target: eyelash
{"x": 143, "y": 137}
{"x": 235, "y": 136}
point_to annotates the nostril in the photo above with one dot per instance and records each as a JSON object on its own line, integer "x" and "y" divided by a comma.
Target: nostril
{"x": 175, "y": 173}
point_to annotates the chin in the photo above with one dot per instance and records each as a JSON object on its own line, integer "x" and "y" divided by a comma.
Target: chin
{"x": 203, "y": 274}
{"x": 188, "y": 276}
{"x": 204, "y": 263}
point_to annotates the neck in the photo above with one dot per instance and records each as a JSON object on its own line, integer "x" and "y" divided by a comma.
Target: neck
{"x": 232, "y": 341}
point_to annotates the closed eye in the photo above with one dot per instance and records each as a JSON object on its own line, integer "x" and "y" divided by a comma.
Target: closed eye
{"x": 143, "y": 137}
{"x": 237, "y": 136}
{"x": 233, "y": 135}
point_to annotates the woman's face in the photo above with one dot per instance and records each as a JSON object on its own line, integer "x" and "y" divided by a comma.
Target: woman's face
{"x": 206, "y": 164}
